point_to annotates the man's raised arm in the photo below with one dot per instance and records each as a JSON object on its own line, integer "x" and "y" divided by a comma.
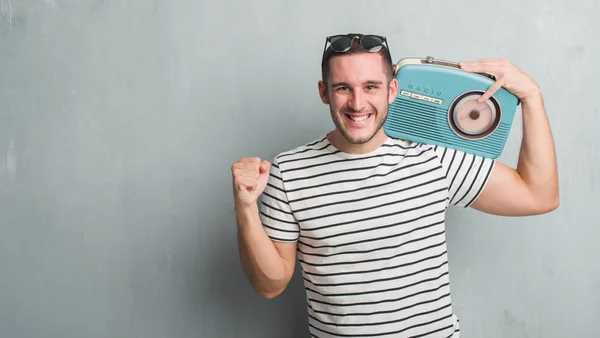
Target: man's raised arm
{"x": 531, "y": 188}
{"x": 268, "y": 264}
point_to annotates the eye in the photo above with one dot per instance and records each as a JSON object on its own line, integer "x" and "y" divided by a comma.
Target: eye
{"x": 342, "y": 89}
{"x": 371, "y": 87}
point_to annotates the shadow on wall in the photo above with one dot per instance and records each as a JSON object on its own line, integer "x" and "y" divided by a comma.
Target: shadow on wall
{"x": 234, "y": 309}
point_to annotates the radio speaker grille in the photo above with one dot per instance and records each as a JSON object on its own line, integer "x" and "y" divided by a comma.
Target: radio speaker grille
{"x": 420, "y": 122}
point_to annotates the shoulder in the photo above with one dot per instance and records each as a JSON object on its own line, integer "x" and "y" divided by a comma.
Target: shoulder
{"x": 415, "y": 149}
{"x": 299, "y": 155}
{"x": 304, "y": 151}
{"x": 445, "y": 157}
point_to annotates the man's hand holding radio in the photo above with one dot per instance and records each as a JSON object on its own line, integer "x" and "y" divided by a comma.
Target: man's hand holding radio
{"x": 507, "y": 75}
{"x": 531, "y": 188}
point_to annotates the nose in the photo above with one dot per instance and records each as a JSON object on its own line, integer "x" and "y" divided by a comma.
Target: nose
{"x": 357, "y": 101}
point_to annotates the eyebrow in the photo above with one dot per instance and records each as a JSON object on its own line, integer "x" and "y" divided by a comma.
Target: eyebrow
{"x": 370, "y": 82}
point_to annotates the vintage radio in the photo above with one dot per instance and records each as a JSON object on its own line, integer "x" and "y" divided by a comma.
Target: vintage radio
{"x": 437, "y": 104}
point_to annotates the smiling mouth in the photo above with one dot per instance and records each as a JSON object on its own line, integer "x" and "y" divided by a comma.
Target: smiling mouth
{"x": 358, "y": 118}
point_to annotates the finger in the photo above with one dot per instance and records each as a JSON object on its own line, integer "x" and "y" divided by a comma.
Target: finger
{"x": 249, "y": 174}
{"x": 491, "y": 90}
{"x": 491, "y": 61}
{"x": 485, "y": 68}
{"x": 264, "y": 167}
{"x": 246, "y": 173}
{"x": 496, "y": 67}
{"x": 250, "y": 160}
{"x": 250, "y": 166}
{"x": 246, "y": 184}
{"x": 476, "y": 66}
{"x": 246, "y": 166}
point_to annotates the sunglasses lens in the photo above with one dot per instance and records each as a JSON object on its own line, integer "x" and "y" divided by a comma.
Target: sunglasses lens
{"x": 340, "y": 43}
{"x": 372, "y": 43}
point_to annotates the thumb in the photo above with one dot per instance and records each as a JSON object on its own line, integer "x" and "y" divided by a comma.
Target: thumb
{"x": 263, "y": 177}
{"x": 264, "y": 167}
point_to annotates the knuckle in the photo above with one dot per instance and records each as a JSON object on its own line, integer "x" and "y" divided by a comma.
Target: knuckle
{"x": 247, "y": 160}
{"x": 251, "y": 167}
{"x": 239, "y": 171}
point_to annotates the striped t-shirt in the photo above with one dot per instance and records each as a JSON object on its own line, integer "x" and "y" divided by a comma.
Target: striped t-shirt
{"x": 371, "y": 233}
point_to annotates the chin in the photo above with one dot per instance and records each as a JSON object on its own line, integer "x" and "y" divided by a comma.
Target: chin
{"x": 359, "y": 132}
{"x": 358, "y": 137}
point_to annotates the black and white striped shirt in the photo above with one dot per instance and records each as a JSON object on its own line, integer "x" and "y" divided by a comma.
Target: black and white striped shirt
{"x": 371, "y": 233}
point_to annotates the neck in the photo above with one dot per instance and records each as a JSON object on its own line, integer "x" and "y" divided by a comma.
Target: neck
{"x": 338, "y": 140}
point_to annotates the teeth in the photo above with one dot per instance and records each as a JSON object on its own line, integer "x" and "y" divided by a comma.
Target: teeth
{"x": 358, "y": 118}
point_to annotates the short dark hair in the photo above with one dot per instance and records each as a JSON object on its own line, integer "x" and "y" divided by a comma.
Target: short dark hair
{"x": 357, "y": 49}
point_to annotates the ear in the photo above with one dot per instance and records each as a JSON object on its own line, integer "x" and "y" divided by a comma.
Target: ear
{"x": 393, "y": 90}
{"x": 323, "y": 92}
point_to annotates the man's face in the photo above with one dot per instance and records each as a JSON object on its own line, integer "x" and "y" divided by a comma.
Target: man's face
{"x": 358, "y": 95}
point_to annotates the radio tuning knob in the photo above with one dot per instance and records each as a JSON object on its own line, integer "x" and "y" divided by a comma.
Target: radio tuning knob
{"x": 429, "y": 59}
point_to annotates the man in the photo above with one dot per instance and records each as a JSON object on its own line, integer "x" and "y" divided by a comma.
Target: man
{"x": 365, "y": 213}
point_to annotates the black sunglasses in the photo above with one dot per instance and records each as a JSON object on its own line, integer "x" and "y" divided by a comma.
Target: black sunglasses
{"x": 342, "y": 43}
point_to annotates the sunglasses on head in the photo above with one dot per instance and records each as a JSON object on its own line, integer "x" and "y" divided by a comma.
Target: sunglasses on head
{"x": 343, "y": 42}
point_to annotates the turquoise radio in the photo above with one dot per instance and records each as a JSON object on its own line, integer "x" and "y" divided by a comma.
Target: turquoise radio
{"x": 437, "y": 104}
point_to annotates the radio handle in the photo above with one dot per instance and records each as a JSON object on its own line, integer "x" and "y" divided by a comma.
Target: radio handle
{"x": 432, "y": 61}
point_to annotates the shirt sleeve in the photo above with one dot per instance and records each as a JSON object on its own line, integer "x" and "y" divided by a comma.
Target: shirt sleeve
{"x": 276, "y": 215}
{"x": 467, "y": 175}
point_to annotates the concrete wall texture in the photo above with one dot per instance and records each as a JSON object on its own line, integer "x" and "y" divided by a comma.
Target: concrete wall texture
{"x": 119, "y": 121}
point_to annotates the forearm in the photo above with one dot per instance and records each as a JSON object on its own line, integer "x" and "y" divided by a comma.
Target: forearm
{"x": 537, "y": 159}
{"x": 261, "y": 261}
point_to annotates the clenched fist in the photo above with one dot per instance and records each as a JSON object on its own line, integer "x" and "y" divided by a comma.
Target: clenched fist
{"x": 250, "y": 177}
